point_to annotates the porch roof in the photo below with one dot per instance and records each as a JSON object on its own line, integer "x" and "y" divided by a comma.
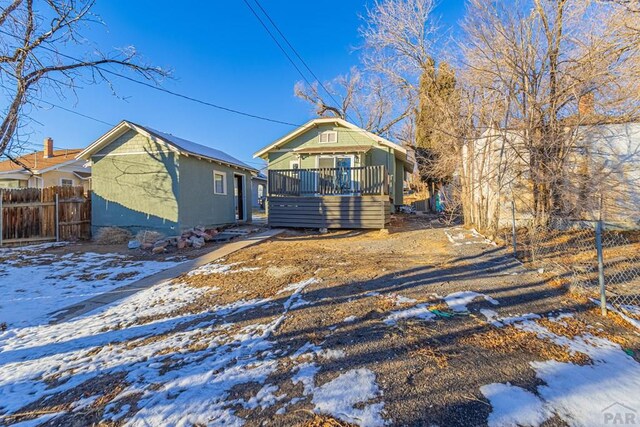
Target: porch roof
{"x": 333, "y": 149}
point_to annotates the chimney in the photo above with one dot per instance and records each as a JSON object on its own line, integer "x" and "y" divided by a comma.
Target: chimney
{"x": 48, "y": 148}
{"x": 586, "y": 104}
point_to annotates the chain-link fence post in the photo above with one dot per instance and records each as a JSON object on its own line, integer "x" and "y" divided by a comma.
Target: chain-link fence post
{"x": 532, "y": 242}
{"x": 513, "y": 229}
{"x": 603, "y": 296}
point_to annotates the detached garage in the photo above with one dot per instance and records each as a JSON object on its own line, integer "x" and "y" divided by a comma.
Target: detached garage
{"x": 146, "y": 179}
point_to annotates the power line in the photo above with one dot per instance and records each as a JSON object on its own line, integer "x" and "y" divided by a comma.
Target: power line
{"x": 75, "y": 112}
{"x": 296, "y": 52}
{"x": 167, "y": 91}
{"x": 273, "y": 37}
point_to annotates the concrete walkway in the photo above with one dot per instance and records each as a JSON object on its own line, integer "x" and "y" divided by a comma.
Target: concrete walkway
{"x": 91, "y": 304}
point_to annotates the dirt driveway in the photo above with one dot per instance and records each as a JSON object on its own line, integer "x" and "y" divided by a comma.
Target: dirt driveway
{"x": 418, "y": 326}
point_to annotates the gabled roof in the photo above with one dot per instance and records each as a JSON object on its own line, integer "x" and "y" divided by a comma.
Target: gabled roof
{"x": 38, "y": 163}
{"x": 179, "y": 145}
{"x": 400, "y": 152}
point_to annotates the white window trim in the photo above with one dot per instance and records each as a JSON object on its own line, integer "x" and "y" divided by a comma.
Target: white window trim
{"x": 294, "y": 162}
{"x": 328, "y": 132}
{"x": 224, "y": 182}
{"x": 333, "y": 156}
{"x": 66, "y": 179}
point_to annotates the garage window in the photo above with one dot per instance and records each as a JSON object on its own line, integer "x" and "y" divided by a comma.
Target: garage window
{"x": 219, "y": 183}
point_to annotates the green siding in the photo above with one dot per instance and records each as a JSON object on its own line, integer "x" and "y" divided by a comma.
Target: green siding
{"x": 198, "y": 203}
{"x": 309, "y": 139}
{"x": 140, "y": 184}
{"x": 398, "y": 183}
{"x": 377, "y": 155}
{"x": 137, "y": 190}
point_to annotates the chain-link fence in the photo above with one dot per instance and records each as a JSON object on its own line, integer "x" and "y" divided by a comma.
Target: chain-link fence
{"x": 591, "y": 255}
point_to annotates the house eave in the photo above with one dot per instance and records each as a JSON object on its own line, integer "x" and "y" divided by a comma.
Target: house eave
{"x": 263, "y": 154}
{"x": 125, "y": 126}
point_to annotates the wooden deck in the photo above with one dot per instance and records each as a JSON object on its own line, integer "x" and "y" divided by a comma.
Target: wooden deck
{"x": 329, "y": 211}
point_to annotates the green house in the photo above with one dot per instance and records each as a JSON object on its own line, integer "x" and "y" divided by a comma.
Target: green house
{"x": 151, "y": 180}
{"x": 330, "y": 173}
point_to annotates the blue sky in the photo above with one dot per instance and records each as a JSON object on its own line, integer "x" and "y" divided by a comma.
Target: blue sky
{"x": 218, "y": 52}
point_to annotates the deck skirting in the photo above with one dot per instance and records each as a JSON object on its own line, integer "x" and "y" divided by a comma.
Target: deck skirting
{"x": 329, "y": 212}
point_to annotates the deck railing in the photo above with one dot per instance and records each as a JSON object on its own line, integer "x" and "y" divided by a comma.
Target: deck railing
{"x": 358, "y": 181}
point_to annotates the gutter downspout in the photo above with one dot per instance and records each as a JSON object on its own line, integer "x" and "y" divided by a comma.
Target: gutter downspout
{"x": 41, "y": 181}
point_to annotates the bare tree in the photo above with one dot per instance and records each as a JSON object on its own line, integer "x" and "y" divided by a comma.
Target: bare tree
{"x": 532, "y": 62}
{"x": 39, "y": 41}
{"x": 367, "y": 101}
{"x": 397, "y": 46}
{"x": 399, "y": 39}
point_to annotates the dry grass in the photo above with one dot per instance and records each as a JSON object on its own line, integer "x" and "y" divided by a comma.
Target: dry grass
{"x": 578, "y": 295}
{"x": 559, "y": 282}
{"x": 441, "y": 306}
{"x": 112, "y": 236}
{"x": 325, "y": 421}
{"x": 571, "y": 327}
{"x": 431, "y": 354}
{"x": 509, "y": 340}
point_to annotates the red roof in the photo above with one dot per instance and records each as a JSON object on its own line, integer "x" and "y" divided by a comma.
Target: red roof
{"x": 37, "y": 161}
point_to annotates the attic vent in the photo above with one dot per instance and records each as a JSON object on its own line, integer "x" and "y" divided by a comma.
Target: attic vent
{"x": 328, "y": 136}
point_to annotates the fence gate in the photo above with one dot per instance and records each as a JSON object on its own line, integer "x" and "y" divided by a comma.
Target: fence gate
{"x": 47, "y": 214}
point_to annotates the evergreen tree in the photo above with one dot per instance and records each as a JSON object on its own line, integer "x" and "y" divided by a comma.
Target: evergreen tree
{"x": 434, "y": 120}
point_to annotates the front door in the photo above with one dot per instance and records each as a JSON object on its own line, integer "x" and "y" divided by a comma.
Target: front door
{"x": 343, "y": 174}
{"x": 239, "y": 197}
{"x": 335, "y": 175}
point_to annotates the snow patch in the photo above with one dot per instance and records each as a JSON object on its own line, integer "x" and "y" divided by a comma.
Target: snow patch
{"x": 34, "y": 285}
{"x": 212, "y": 269}
{"x": 420, "y": 311}
{"x": 579, "y": 395}
{"x": 513, "y": 406}
{"x": 306, "y": 373}
{"x": 458, "y": 301}
{"x": 339, "y": 397}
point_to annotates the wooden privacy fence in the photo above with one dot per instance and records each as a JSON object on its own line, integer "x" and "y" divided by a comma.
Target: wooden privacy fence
{"x": 44, "y": 214}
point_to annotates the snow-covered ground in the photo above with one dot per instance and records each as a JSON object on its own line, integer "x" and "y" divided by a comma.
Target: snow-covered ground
{"x": 35, "y": 283}
{"x": 159, "y": 363}
{"x": 581, "y": 395}
{"x": 179, "y": 369}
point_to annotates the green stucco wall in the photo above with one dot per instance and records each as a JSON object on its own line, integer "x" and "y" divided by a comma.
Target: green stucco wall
{"x": 198, "y": 203}
{"x": 140, "y": 184}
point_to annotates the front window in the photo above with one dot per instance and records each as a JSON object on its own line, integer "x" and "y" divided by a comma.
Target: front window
{"x": 329, "y": 136}
{"x": 66, "y": 182}
{"x": 219, "y": 183}
{"x": 13, "y": 183}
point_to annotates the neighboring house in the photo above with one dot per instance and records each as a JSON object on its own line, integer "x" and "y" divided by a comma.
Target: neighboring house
{"x": 604, "y": 165}
{"x": 46, "y": 168}
{"x": 258, "y": 190}
{"x": 146, "y": 179}
{"x": 330, "y": 173}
